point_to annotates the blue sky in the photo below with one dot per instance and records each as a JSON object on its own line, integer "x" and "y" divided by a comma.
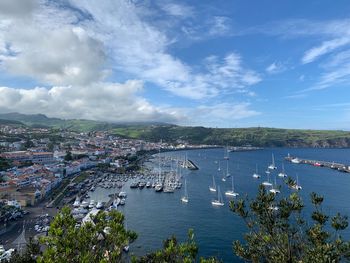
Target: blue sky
{"x": 212, "y": 63}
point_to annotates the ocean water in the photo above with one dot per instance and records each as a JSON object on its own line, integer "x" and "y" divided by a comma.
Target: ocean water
{"x": 156, "y": 216}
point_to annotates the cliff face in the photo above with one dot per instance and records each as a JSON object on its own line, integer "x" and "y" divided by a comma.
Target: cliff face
{"x": 335, "y": 143}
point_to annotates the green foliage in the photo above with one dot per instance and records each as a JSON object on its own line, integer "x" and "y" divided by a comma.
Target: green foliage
{"x": 101, "y": 241}
{"x": 68, "y": 156}
{"x": 4, "y": 164}
{"x": 175, "y": 252}
{"x": 277, "y": 231}
{"x": 263, "y": 137}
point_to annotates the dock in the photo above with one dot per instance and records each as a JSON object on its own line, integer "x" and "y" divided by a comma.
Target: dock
{"x": 332, "y": 165}
{"x": 190, "y": 165}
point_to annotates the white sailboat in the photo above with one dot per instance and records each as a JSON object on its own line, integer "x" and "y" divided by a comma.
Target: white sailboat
{"x": 256, "y": 174}
{"x": 126, "y": 247}
{"x": 212, "y": 188}
{"x": 184, "y": 199}
{"x": 282, "y": 174}
{"x": 274, "y": 207}
{"x": 227, "y": 172}
{"x": 232, "y": 192}
{"x": 185, "y": 163}
{"x": 223, "y": 177}
{"x": 226, "y": 153}
{"x": 159, "y": 185}
{"x": 267, "y": 183}
{"x": 219, "y": 169}
{"x": 272, "y": 166}
{"x": 218, "y": 201}
{"x": 297, "y": 186}
{"x": 274, "y": 188}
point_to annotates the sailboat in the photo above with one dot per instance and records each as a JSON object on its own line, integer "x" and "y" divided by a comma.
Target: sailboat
{"x": 223, "y": 177}
{"x": 267, "y": 183}
{"x": 227, "y": 173}
{"x": 232, "y": 192}
{"x": 218, "y": 201}
{"x": 272, "y": 166}
{"x": 297, "y": 186}
{"x": 274, "y": 188}
{"x": 274, "y": 207}
{"x": 212, "y": 188}
{"x": 219, "y": 169}
{"x": 282, "y": 174}
{"x": 159, "y": 185}
{"x": 226, "y": 153}
{"x": 185, "y": 163}
{"x": 126, "y": 247}
{"x": 256, "y": 174}
{"x": 184, "y": 199}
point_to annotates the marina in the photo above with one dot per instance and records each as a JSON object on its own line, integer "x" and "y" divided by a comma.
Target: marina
{"x": 164, "y": 197}
{"x": 216, "y": 222}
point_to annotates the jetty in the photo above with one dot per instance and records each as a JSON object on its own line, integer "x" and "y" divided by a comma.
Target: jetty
{"x": 190, "y": 165}
{"x": 332, "y": 165}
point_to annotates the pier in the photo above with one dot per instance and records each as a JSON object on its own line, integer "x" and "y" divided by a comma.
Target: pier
{"x": 332, "y": 165}
{"x": 190, "y": 165}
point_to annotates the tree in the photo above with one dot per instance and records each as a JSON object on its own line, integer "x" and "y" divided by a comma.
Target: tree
{"x": 175, "y": 252}
{"x": 277, "y": 231}
{"x": 68, "y": 156}
{"x": 4, "y": 164}
{"x": 101, "y": 240}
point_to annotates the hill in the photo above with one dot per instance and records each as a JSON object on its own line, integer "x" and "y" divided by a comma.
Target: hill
{"x": 80, "y": 125}
{"x": 256, "y": 136}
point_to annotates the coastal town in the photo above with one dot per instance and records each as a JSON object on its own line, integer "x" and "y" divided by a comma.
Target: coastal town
{"x": 44, "y": 169}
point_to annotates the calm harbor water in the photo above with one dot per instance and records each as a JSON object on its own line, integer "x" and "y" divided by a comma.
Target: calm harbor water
{"x": 156, "y": 216}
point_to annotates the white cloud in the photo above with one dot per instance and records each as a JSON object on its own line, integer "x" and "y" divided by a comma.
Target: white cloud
{"x": 178, "y": 10}
{"x": 325, "y": 48}
{"x": 334, "y": 44}
{"x": 223, "y": 113}
{"x": 333, "y": 77}
{"x": 221, "y": 76}
{"x": 338, "y": 59}
{"x": 146, "y": 53}
{"x": 99, "y": 101}
{"x": 17, "y": 8}
{"x": 63, "y": 57}
{"x": 292, "y": 28}
{"x": 275, "y": 67}
{"x": 219, "y": 25}
{"x": 46, "y": 49}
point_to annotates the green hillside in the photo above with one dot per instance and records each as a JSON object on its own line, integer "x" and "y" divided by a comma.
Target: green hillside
{"x": 256, "y": 136}
{"x": 240, "y": 136}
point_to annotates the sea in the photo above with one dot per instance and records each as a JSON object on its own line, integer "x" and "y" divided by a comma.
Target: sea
{"x": 157, "y": 216}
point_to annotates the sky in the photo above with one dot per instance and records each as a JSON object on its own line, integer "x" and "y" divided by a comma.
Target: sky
{"x": 232, "y": 63}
